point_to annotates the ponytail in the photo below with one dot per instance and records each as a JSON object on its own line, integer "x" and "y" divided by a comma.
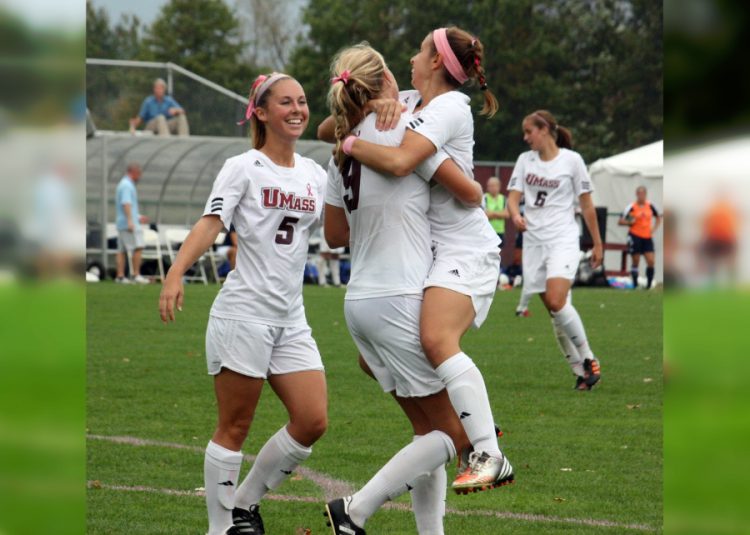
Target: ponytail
{"x": 544, "y": 119}
{"x": 469, "y": 52}
{"x": 358, "y": 73}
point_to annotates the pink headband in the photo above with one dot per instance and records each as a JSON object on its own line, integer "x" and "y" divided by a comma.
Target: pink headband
{"x": 262, "y": 82}
{"x": 440, "y": 36}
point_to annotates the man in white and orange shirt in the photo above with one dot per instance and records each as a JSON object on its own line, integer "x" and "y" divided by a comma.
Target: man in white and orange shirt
{"x": 643, "y": 219}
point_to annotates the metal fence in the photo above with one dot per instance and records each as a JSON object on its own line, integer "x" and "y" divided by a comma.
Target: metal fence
{"x": 115, "y": 90}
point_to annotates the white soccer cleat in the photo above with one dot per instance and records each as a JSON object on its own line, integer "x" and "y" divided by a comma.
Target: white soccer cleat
{"x": 483, "y": 473}
{"x": 140, "y": 279}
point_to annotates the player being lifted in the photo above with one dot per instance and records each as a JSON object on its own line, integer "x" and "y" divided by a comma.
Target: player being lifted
{"x": 257, "y": 329}
{"x": 462, "y": 280}
{"x": 384, "y": 219}
{"x": 551, "y": 177}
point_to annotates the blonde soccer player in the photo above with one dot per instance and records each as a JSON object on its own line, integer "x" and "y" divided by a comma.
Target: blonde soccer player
{"x": 257, "y": 330}
{"x": 552, "y": 177}
{"x": 384, "y": 220}
{"x": 463, "y": 277}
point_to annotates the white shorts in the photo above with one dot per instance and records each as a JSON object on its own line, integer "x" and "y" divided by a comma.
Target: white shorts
{"x": 542, "y": 262}
{"x": 258, "y": 350}
{"x": 472, "y": 273}
{"x": 130, "y": 241}
{"x": 386, "y": 331}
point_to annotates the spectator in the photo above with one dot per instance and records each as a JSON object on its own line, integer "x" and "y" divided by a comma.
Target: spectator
{"x": 720, "y": 236}
{"x": 161, "y": 113}
{"x": 129, "y": 232}
{"x": 643, "y": 219}
{"x": 493, "y": 203}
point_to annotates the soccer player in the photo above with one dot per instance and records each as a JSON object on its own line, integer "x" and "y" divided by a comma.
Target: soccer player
{"x": 643, "y": 219}
{"x": 257, "y": 329}
{"x": 551, "y": 177}
{"x": 462, "y": 281}
{"x": 384, "y": 219}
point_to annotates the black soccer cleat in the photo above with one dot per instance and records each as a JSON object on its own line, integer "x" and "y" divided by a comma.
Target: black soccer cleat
{"x": 247, "y": 521}
{"x": 592, "y": 374}
{"x": 337, "y": 512}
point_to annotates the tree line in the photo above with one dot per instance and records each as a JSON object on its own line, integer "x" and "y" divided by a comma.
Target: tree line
{"x": 595, "y": 64}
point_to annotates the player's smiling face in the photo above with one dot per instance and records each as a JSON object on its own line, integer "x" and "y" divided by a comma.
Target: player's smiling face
{"x": 285, "y": 112}
{"x": 533, "y": 135}
{"x": 421, "y": 64}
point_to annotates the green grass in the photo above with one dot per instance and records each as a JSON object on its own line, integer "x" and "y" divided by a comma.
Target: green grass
{"x": 149, "y": 381}
{"x": 707, "y": 399}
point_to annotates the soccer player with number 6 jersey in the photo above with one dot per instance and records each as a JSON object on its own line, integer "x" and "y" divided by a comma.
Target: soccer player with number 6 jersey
{"x": 257, "y": 329}
{"x": 551, "y": 177}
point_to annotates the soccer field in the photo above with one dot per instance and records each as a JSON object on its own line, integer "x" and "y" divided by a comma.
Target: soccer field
{"x": 585, "y": 462}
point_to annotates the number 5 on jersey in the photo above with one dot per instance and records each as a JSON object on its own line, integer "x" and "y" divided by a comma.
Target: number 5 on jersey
{"x": 285, "y": 233}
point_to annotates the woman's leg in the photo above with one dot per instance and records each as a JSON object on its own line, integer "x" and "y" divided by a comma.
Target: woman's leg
{"x": 417, "y": 460}
{"x": 636, "y": 260}
{"x": 446, "y": 315}
{"x": 304, "y": 396}
{"x": 237, "y": 397}
{"x": 649, "y": 269}
{"x": 428, "y": 493}
{"x": 566, "y": 318}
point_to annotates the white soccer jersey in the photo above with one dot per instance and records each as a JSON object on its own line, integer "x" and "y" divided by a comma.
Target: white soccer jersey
{"x": 551, "y": 190}
{"x": 389, "y": 233}
{"x": 447, "y": 122}
{"x": 272, "y": 209}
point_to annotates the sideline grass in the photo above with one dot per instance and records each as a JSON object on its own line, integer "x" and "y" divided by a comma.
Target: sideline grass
{"x": 594, "y": 455}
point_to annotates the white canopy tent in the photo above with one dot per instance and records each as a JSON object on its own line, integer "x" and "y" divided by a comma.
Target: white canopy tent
{"x": 615, "y": 180}
{"x": 697, "y": 178}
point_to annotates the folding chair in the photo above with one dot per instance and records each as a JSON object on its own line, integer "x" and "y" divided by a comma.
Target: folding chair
{"x": 174, "y": 237}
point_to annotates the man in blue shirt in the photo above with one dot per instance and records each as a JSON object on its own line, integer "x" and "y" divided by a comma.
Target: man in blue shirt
{"x": 161, "y": 113}
{"x": 128, "y": 222}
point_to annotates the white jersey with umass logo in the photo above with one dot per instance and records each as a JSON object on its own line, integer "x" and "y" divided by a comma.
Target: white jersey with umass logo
{"x": 447, "y": 122}
{"x": 551, "y": 190}
{"x": 388, "y": 228}
{"x": 272, "y": 209}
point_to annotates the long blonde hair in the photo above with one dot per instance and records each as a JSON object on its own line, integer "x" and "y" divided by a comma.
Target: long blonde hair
{"x": 358, "y": 73}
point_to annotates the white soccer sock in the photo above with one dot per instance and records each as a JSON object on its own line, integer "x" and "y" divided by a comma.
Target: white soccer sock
{"x": 321, "y": 264}
{"x": 569, "y": 322}
{"x": 416, "y": 460}
{"x": 468, "y": 394}
{"x": 335, "y": 271}
{"x": 569, "y": 351}
{"x": 221, "y": 468}
{"x": 523, "y": 302}
{"x": 275, "y": 462}
{"x": 428, "y": 500}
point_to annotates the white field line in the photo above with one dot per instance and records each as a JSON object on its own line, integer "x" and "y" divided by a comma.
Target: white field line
{"x": 335, "y": 488}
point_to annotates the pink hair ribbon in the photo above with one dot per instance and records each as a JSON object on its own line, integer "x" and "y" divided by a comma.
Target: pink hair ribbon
{"x": 440, "y": 36}
{"x": 343, "y": 77}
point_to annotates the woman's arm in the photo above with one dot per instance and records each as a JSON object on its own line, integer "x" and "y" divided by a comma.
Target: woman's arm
{"x": 589, "y": 216}
{"x": 327, "y": 129}
{"x": 514, "y": 209}
{"x": 399, "y": 161}
{"x": 335, "y": 227}
{"x": 463, "y": 188}
{"x": 656, "y": 224}
{"x": 201, "y": 237}
{"x": 388, "y": 112}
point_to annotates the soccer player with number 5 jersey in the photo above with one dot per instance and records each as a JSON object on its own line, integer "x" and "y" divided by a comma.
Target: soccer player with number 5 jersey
{"x": 257, "y": 329}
